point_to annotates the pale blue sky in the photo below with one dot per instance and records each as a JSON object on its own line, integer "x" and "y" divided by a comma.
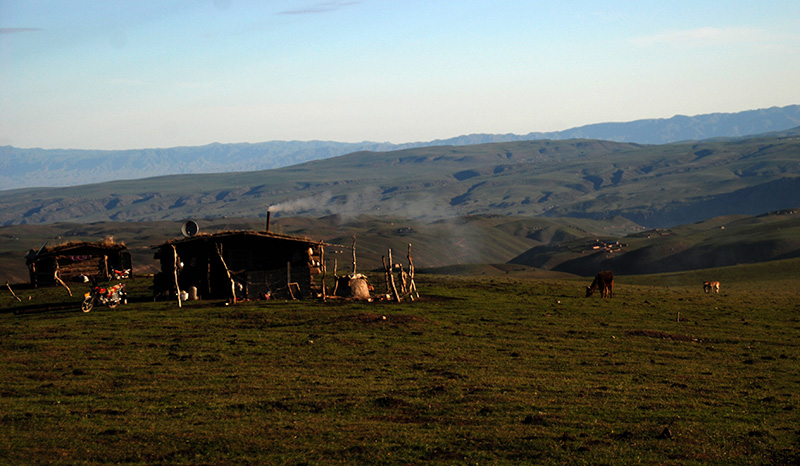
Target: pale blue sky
{"x": 140, "y": 74}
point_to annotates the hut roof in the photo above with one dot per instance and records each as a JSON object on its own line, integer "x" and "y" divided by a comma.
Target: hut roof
{"x": 74, "y": 245}
{"x": 231, "y": 233}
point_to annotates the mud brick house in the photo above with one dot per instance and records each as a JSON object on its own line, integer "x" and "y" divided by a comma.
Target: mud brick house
{"x": 75, "y": 260}
{"x": 244, "y": 264}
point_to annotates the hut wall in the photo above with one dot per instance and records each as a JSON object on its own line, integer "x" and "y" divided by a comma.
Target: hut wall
{"x": 95, "y": 262}
{"x": 258, "y": 263}
{"x": 93, "y": 267}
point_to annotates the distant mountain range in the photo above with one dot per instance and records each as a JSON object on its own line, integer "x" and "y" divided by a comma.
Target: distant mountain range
{"x": 653, "y": 186}
{"x": 24, "y": 168}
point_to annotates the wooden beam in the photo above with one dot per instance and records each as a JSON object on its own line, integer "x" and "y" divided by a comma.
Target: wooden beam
{"x": 227, "y": 272}
{"x": 12, "y": 292}
{"x": 412, "y": 289}
{"x": 175, "y": 273}
{"x": 60, "y": 281}
{"x": 391, "y": 276}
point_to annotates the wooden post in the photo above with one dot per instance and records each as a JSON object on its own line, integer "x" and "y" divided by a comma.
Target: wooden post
{"x": 335, "y": 277}
{"x": 227, "y": 272}
{"x": 412, "y": 288}
{"x": 386, "y": 272}
{"x": 403, "y": 279}
{"x": 322, "y": 271}
{"x": 34, "y": 278}
{"x": 106, "y": 275}
{"x": 175, "y": 273}
{"x": 391, "y": 275}
{"x": 61, "y": 282}
{"x": 58, "y": 279}
{"x": 12, "y": 292}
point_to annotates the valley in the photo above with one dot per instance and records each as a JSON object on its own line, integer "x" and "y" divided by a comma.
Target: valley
{"x": 538, "y": 204}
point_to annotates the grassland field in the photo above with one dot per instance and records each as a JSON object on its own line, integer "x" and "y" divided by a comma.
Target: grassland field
{"x": 487, "y": 369}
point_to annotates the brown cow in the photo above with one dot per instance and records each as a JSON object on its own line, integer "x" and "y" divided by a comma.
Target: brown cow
{"x": 604, "y": 281}
{"x": 711, "y": 286}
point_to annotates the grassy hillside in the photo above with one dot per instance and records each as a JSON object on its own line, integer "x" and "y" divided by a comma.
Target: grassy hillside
{"x": 654, "y": 186}
{"x": 501, "y": 370}
{"x": 717, "y": 242}
{"x": 465, "y": 244}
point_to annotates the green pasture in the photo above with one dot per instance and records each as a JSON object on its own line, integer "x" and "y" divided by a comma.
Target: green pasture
{"x": 494, "y": 369}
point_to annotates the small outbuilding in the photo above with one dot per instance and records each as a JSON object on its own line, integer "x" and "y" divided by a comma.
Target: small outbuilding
{"x": 78, "y": 261}
{"x": 240, "y": 265}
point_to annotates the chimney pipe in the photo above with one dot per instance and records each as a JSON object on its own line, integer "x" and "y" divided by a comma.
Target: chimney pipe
{"x": 268, "y": 221}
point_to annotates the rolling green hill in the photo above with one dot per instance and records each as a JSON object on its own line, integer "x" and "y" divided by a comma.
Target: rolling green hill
{"x": 717, "y": 242}
{"x": 654, "y": 186}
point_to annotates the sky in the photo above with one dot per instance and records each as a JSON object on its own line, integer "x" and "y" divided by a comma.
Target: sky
{"x": 139, "y": 74}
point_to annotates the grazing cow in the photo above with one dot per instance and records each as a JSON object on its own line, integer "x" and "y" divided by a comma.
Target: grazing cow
{"x": 708, "y": 286}
{"x": 604, "y": 281}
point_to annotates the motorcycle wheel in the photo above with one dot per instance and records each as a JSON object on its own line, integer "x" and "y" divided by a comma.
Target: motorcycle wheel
{"x": 112, "y": 303}
{"x": 87, "y": 304}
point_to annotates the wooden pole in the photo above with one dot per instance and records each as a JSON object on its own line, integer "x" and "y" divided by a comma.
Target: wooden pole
{"x": 403, "y": 279}
{"x": 59, "y": 280}
{"x": 412, "y": 289}
{"x": 386, "y": 272}
{"x": 34, "y": 279}
{"x": 12, "y": 292}
{"x": 391, "y": 275}
{"x": 227, "y": 272}
{"x": 175, "y": 273}
{"x": 335, "y": 277}
{"x": 322, "y": 271}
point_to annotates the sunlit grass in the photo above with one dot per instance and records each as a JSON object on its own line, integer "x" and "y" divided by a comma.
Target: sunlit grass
{"x": 496, "y": 370}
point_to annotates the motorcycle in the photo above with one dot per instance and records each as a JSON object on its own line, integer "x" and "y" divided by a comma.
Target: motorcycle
{"x": 111, "y": 297}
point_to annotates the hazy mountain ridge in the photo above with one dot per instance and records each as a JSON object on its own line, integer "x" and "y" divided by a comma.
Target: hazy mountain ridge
{"x": 66, "y": 167}
{"x": 655, "y": 186}
{"x": 21, "y": 168}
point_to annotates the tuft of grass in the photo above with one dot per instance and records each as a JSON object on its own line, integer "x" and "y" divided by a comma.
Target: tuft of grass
{"x": 498, "y": 369}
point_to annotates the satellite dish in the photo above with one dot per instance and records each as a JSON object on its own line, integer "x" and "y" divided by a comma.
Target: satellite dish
{"x": 189, "y": 228}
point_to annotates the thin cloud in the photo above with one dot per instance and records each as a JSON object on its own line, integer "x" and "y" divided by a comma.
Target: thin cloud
{"x": 16, "y": 30}
{"x": 324, "y": 7}
{"x": 702, "y": 37}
